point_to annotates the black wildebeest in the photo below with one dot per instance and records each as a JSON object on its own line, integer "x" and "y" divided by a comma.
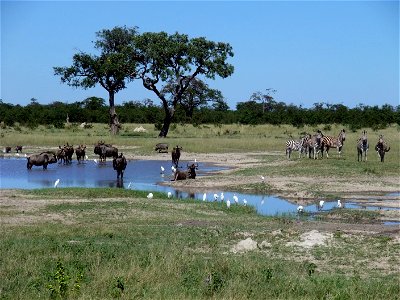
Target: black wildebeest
{"x": 176, "y": 155}
{"x": 161, "y": 147}
{"x": 80, "y": 153}
{"x": 189, "y": 173}
{"x": 42, "y": 159}
{"x": 105, "y": 150}
{"x": 18, "y": 149}
{"x": 7, "y": 149}
{"x": 382, "y": 147}
{"x": 119, "y": 164}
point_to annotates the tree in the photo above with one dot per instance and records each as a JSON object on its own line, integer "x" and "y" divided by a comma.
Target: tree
{"x": 197, "y": 94}
{"x": 266, "y": 99}
{"x": 113, "y": 68}
{"x": 176, "y": 60}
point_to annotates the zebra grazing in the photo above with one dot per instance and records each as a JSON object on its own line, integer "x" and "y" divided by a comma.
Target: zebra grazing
{"x": 362, "y": 147}
{"x": 292, "y": 145}
{"x": 333, "y": 142}
{"x": 382, "y": 147}
{"x": 314, "y": 144}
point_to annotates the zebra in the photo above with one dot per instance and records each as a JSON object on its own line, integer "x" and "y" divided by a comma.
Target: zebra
{"x": 314, "y": 144}
{"x": 333, "y": 142}
{"x": 362, "y": 147}
{"x": 292, "y": 145}
{"x": 381, "y": 148}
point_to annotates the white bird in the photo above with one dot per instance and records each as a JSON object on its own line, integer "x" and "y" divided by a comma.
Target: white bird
{"x": 228, "y": 203}
{"x": 204, "y": 197}
{"x": 321, "y": 204}
{"x": 169, "y": 194}
{"x": 150, "y": 196}
{"x": 244, "y": 202}
{"x": 235, "y": 198}
{"x": 162, "y": 169}
{"x": 300, "y": 209}
{"x": 95, "y": 161}
{"x": 173, "y": 169}
{"x": 262, "y": 178}
{"x": 86, "y": 157}
{"x": 216, "y": 197}
{"x": 339, "y": 204}
{"x": 57, "y": 182}
{"x": 17, "y": 154}
{"x": 195, "y": 161}
{"x": 262, "y": 202}
{"x": 129, "y": 185}
{"x": 222, "y": 197}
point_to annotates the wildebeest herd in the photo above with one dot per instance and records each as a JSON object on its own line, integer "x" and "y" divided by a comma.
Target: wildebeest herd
{"x": 64, "y": 155}
{"x": 315, "y": 145}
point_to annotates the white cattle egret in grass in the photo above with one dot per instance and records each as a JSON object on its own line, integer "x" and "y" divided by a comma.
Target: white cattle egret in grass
{"x": 169, "y": 194}
{"x": 321, "y": 204}
{"x": 235, "y": 198}
{"x": 204, "y": 196}
{"x": 57, "y": 182}
{"x": 244, "y": 202}
{"x": 222, "y": 197}
{"x": 216, "y": 197}
{"x": 162, "y": 169}
{"x": 150, "y": 196}
{"x": 300, "y": 209}
{"x": 262, "y": 178}
{"x": 339, "y": 204}
{"x": 228, "y": 203}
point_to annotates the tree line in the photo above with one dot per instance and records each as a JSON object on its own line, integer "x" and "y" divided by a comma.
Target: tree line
{"x": 249, "y": 112}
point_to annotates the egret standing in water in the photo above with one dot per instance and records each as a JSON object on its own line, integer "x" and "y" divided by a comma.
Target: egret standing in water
{"x": 244, "y": 202}
{"x": 228, "y": 203}
{"x": 162, "y": 169}
{"x": 222, "y": 197}
{"x": 235, "y": 198}
{"x": 204, "y": 196}
{"x": 321, "y": 204}
{"x": 339, "y": 204}
{"x": 57, "y": 182}
{"x": 300, "y": 209}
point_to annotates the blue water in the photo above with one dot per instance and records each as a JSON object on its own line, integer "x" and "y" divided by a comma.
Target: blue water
{"x": 139, "y": 175}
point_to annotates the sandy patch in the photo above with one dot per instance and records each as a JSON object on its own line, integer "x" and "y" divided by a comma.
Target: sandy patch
{"x": 312, "y": 238}
{"x": 245, "y": 245}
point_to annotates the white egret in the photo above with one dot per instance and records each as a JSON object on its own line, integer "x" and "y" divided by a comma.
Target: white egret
{"x": 150, "y": 196}
{"x": 339, "y": 204}
{"x": 216, "y": 197}
{"x": 95, "y": 161}
{"x": 262, "y": 202}
{"x": 300, "y": 209}
{"x": 235, "y": 198}
{"x": 222, "y": 197}
{"x": 244, "y": 202}
{"x": 169, "y": 194}
{"x": 228, "y": 203}
{"x": 57, "y": 182}
{"x": 262, "y": 178}
{"x": 129, "y": 185}
{"x": 162, "y": 169}
{"x": 204, "y": 196}
{"x": 321, "y": 204}
{"x": 86, "y": 157}
{"x": 173, "y": 169}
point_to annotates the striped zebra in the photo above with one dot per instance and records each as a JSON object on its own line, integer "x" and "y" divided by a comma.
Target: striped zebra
{"x": 362, "y": 147}
{"x": 382, "y": 147}
{"x": 314, "y": 144}
{"x": 333, "y": 142}
{"x": 292, "y": 145}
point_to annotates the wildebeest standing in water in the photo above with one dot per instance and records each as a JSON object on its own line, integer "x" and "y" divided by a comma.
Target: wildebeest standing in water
{"x": 105, "y": 150}
{"x": 176, "y": 155}
{"x": 189, "y": 173}
{"x": 42, "y": 159}
{"x": 80, "y": 153}
{"x": 119, "y": 164}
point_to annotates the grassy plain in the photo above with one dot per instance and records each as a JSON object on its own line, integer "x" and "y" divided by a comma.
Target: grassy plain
{"x": 113, "y": 243}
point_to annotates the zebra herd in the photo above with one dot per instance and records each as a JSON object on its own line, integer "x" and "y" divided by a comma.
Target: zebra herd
{"x": 315, "y": 145}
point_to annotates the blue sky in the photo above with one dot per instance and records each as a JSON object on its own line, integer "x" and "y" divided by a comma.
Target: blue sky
{"x": 336, "y": 52}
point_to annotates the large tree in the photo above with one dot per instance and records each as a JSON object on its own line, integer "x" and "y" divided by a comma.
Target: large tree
{"x": 176, "y": 60}
{"x": 112, "y": 68}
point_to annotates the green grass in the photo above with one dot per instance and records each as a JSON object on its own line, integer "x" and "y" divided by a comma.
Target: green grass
{"x": 84, "y": 246}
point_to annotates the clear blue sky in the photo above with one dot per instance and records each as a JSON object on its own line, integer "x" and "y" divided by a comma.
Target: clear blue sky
{"x": 319, "y": 51}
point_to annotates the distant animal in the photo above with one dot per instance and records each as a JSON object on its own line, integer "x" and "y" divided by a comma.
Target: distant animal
{"x": 18, "y": 149}
{"x": 333, "y": 142}
{"x": 381, "y": 148}
{"x": 80, "y": 152}
{"x": 314, "y": 144}
{"x": 321, "y": 204}
{"x": 150, "y": 196}
{"x": 300, "y": 209}
{"x": 339, "y": 204}
{"x": 189, "y": 173}
{"x": 60, "y": 154}
{"x": 42, "y": 159}
{"x": 105, "y": 150}
{"x": 69, "y": 151}
{"x": 161, "y": 147}
{"x": 228, "y": 203}
{"x": 7, "y": 149}
{"x": 292, "y": 145}
{"x": 204, "y": 196}
{"x": 169, "y": 195}
{"x": 56, "y": 182}
{"x": 362, "y": 147}
{"x": 119, "y": 164}
{"x": 176, "y": 155}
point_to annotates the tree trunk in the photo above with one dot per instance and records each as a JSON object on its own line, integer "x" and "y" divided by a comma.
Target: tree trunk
{"x": 114, "y": 123}
{"x": 169, "y": 113}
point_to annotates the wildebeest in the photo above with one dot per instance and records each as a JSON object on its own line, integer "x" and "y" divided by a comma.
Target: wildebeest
{"x": 18, "y": 149}
{"x": 189, "y": 173}
{"x": 161, "y": 147}
{"x": 80, "y": 153}
{"x": 105, "y": 150}
{"x": 42, "y": 159}
{"x": 382, "y": 147}
{"x": 119, "y": 164}
{"x": 176, "y": 155}
{"x": 7, "y": 149}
